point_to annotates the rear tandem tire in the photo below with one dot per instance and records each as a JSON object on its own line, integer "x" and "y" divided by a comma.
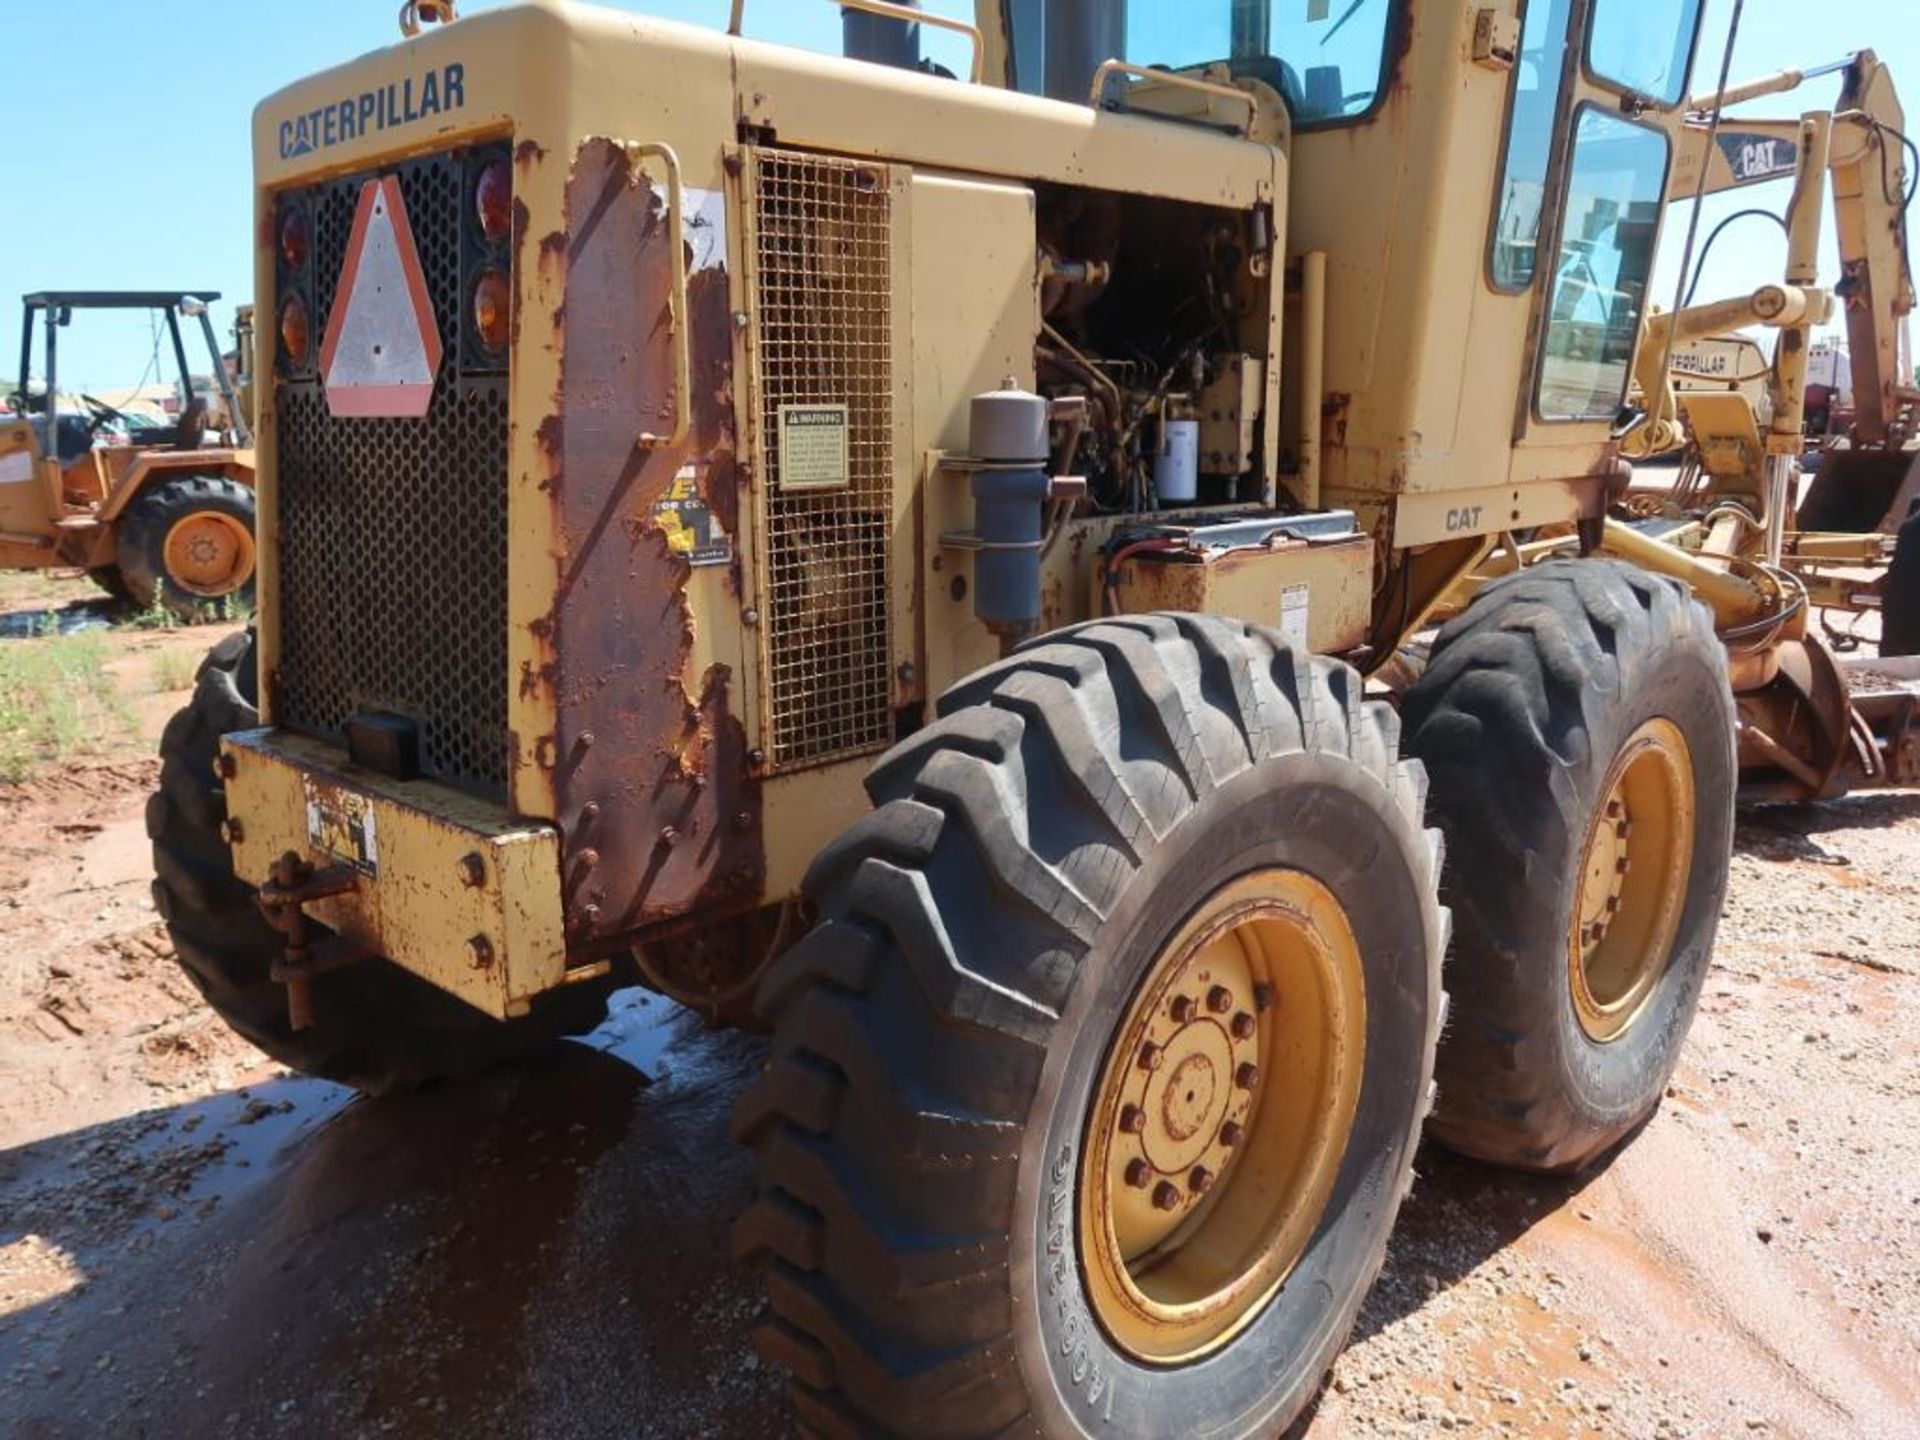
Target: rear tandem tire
{"x": 925, "y": 1124}
{"x": 376, "y": 1027}
{"x": 1534, "y": 700}
{"x": 1900, "y": 598}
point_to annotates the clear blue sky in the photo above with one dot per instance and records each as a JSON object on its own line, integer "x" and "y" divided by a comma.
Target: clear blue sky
{"x": 129, "y": 160}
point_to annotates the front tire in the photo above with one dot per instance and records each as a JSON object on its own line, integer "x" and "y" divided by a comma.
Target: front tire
{"x": 1577, "y": 722}
{"x": 948, "y": 1132}
{"x": 376, "y": 1027}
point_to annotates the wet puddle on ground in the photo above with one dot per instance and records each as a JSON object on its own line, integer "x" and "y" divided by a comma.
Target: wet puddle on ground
{"x": 69, "y": 619}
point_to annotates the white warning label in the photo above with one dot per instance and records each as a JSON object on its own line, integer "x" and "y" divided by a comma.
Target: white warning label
{"x": 813, "y": 447}
{"x": 1295, "y": 601}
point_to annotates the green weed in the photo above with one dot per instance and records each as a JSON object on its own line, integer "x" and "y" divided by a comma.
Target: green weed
{"x": 174, "y": 670}
{"x": 57, "y": 701}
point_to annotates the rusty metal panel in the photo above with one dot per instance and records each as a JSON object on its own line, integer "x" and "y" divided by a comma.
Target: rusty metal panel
{"x": 438, "y": 869}
{"x": 823, "y": 342}
{"x": 1319, "y": 594}
{"x": 656, "y": 794}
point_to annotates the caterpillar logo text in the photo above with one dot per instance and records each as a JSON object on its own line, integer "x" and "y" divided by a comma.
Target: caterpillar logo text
{"x": 1464, "y": 519}
{"x": 372, "y": 111}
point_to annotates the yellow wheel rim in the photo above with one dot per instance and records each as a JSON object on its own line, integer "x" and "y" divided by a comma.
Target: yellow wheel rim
{"x": 1633, "y": 881}
{"x": 1222, "y": 1116}
{"x": 209, "y": 554}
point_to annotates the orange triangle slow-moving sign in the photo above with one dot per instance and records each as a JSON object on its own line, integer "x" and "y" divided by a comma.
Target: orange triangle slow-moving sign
{"x": 382, "y": 348}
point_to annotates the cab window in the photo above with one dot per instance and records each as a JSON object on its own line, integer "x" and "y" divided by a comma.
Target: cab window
{"x": 1616, "y": 185}
{"x": 1328, "y": 58}
{"x": 1644, "y": 46}
{"x": 1537, "y": 84}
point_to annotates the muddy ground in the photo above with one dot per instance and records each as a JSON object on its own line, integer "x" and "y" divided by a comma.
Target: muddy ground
{"x": 194, "y": 1243}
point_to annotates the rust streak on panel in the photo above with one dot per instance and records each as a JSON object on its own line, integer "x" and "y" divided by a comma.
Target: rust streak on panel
{"x": 658, "y": 804}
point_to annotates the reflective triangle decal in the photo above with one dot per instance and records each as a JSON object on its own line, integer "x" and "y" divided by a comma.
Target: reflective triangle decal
{"x": 382, "y": 348}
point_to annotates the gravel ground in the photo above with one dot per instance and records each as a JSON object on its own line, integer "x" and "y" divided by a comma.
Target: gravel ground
{"x": 194, "y": 1243}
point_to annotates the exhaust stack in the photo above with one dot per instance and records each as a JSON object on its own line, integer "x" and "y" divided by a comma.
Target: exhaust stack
{"x": 881, "y": 39}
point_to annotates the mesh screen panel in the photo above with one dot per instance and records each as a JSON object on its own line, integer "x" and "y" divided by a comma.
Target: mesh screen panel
{"x": 393, "y": 533}
{"x": 823, "y": 293}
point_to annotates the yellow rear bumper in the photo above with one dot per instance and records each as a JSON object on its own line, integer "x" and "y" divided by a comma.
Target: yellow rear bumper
{"x": 447, "y": 886}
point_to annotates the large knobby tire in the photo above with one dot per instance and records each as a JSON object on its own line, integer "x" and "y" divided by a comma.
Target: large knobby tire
{"x": 108, "y": 578}
{"x": 187, "y": 544}
{"x": 376, "y": 1027}
{"x": 1569, "y": 710}
{"x": 973, "y": 988}
{"x": 1900, "y": 597}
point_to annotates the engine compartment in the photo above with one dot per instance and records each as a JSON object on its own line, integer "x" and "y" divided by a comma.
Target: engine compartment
{"x": 1152, "y": 346}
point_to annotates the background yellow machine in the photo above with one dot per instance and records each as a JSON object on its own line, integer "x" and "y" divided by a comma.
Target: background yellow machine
{"x": 158, "y": 515}
{"x": 897, "y": 557}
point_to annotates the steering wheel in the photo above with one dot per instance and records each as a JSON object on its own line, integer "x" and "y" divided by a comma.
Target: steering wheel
{"x": 101, "y": 413}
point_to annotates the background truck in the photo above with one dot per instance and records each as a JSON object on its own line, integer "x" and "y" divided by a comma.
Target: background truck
{"x": 158, "y": 516}
{"x": 944, "y": 569}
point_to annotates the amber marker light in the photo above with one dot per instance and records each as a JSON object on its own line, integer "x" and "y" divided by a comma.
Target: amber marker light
{"x": 296, "y": 334}
{"x": 490, "y": 307}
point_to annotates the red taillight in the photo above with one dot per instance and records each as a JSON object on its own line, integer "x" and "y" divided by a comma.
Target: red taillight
{"x": 293, "y": 239}
{"x": 493, "y": 200}
{"x": 491, "y": 305}
{"x": 296, "y": 335}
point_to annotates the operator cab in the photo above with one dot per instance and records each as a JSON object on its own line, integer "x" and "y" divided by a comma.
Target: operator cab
{"x": 53, "y": 311}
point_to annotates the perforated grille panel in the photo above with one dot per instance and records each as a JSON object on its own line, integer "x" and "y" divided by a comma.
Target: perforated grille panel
{"x": 823, "y": 335}
{"x": 393, "y": 533}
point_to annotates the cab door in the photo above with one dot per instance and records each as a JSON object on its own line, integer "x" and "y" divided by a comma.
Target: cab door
{"x": 1596, "y": 105}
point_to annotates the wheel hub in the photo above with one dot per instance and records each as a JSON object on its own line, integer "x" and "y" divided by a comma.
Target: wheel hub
{"x": 1222, "y": 1116}
{"x": 209, "y": 554}
{"x": 1633, "y": 881}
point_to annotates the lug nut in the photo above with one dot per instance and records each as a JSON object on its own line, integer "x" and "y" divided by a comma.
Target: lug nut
{"x": 1151, "y": 1055}
{"x": 589, "y": 858}
{"x": 1200, "y": 1180}
{"x": 1219, "y": 999}
{"x": 1243, "y": 1026}
{"x": 669, "y": 835}
{"x": 480, "y": 952}
{"x": 1139, "y": 1172}
{"x": 1263, "y": 997}
{"x": 1615, "y": 809}
{"x": 1133, "y": 1120}
{"x": 1613, "y": 904}
{"x": 1232, "y": 1133}
{"x": 473, "y": 871}
{"x": 1622, "y": 865}
{"x": 1166, "y": 1196}
{"x": 1247, "y": 1076}
{"x": 232, "y": 831}
{"x": 1181, "y": 1009}
{"x": 224, "y": 767}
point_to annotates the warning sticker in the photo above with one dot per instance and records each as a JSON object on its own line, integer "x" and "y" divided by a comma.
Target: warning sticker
{"x": 688, "y": 522}
{"x": 1294, "y": 603}
{"x": 813, "y": 447}
{"x": 341, "y": 823}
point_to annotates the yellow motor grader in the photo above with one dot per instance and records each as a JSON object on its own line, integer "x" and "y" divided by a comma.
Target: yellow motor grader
{"x": 931, "y": 564}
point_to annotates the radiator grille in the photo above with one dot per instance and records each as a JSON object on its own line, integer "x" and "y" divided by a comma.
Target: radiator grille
{"x": 393, "y": 533}
{"x": 823, "y": 333}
